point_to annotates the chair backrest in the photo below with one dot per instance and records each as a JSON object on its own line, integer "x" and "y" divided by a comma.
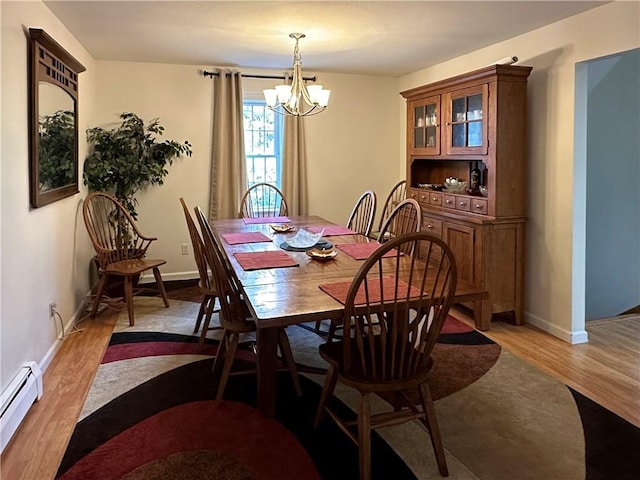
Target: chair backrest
{"x": 361, "y": 218}
{"x": 395, "y": 318}
{"x": 396, "y": 195}
{"x": 232, "y": 311}
{"x": 198, "y": 249}
{"x": 113, "y": 232}
{"x": 263, "y": 200}
{"x": 406, "y": 217}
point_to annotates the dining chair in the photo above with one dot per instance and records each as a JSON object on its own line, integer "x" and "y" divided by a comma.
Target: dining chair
{"x": 396, "y": 195}
{"x": 406, "y": 217}
{"x": 361, "y": 217}
{"x": 234, "y": 314}
{"x": 205, "y": 284}
{"x": 263, "y": 200}
{"x": 120, "y": 249}
{"x": 395, "y": 320}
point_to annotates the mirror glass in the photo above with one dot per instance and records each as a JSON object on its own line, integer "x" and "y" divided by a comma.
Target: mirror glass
{"x": 53, "y": 106}
{"x": 56, "y": 137}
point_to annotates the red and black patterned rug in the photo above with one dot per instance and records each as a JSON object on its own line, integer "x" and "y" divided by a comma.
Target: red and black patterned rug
{"x": 149, "y": 415}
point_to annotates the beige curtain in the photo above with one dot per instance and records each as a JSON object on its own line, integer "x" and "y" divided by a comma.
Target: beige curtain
{"x": 228, "y": 170}
{"x": 294, "y": 166}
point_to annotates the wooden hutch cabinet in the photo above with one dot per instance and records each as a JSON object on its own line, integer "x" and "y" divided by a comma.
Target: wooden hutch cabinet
{"x": 476, "y": 122}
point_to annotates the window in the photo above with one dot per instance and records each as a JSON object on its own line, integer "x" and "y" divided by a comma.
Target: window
{"x": 262, "y": 143}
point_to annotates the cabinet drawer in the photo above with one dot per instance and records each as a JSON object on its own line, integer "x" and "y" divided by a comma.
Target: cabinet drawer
{"x": 478, "y": 205}
{"x": 463, "y": 203}
{"x": 414, "y": 193}
{"x": 435, "y": 198}
{"x": 432, "y": 225}
{"x": 449, "y": 201}
{"x": 423, "y": 197}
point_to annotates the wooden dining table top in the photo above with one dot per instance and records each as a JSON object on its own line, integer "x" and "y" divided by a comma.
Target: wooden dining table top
{"x": 291, "y": 295}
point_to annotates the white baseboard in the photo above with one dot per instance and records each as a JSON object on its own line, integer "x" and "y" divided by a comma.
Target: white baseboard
{"x": 148, "y": 277}
{"x": 572, "y": 337}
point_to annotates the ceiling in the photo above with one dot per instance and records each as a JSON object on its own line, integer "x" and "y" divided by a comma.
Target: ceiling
{"x": 391, "y": 38}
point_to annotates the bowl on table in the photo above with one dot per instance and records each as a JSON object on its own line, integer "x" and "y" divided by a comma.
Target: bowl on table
{"x": 283, "y": 228}
{"x": 322, "y": 253}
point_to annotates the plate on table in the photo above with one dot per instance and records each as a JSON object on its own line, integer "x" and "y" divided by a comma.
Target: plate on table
{"x": 322, "y": 253}
{"x": 320, "y": 245}
{"x": 283, "y": 228}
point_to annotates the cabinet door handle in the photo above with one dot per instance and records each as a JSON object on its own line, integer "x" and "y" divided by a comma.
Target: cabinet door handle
{"x": 462, "y": 204}
{"x": 447, "y": 201}
{"x": 429, "y": 226}
{"x": 478, "y": 206}
{"x": 434, "y": 198}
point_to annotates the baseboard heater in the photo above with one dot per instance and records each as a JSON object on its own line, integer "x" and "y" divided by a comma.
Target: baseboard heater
{"x": 17, "y": 398}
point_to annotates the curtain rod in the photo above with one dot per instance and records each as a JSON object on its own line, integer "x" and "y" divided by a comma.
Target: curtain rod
{"x": 267, "y": 77}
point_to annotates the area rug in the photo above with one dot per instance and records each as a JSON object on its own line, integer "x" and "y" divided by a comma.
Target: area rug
{"x": 149, "y": 415}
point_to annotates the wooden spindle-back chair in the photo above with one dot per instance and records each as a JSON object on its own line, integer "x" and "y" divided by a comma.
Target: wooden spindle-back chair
{"x": 120, "y": 248}
{"x": 263, "y": 200}
{"x": 394, "y": 309}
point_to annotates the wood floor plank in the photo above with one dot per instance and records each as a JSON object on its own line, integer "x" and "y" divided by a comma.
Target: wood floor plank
{"x": 607, "y": 369}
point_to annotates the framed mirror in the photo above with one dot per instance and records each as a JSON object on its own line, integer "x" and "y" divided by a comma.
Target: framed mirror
{"x": 53, "y": 125}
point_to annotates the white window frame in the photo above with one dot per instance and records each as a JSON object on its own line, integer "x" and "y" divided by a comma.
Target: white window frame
{"x": 251, "y": 157}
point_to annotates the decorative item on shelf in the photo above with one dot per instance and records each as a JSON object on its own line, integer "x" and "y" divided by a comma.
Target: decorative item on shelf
{"x": 455, "y": 185}
{"x": 474, "y": 177}
{"x": 297, "y": 99}
{"x": 484, "y": 190}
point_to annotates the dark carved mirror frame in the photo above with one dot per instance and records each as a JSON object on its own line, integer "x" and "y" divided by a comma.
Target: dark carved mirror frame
{"x": 53, "y": 168}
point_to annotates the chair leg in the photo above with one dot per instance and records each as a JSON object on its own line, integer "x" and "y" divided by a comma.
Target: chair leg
{"x": 222, "y": 347}
{"x": 364, "y": 436}
{"x": 431, "y": 421}
{"x": 205, "y": 300}
{"x": 209, "y": 304}
{"x": 285, "y": 348}
{"x": 228, "y": 362}
{"x": 128, "y": 297}
{"x": 327, "y": 390}
{"x": 102, "y": 284}
{"x": 160, "y": 284}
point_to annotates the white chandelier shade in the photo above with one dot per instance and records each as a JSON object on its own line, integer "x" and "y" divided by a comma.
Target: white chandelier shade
{"x": 297, "y": 99}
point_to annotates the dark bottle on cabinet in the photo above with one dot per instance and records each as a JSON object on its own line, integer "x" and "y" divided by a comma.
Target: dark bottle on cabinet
{"x": 474, "y": 177}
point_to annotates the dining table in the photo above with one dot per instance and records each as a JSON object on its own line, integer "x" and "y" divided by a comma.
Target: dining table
{"x": 287, "y": 292}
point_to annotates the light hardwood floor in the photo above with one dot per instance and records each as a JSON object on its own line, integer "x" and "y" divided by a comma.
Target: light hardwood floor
{"x": 607, "y": 369}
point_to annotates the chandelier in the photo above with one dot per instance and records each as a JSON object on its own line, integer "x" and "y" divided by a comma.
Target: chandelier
{"x": 297, "y": 99}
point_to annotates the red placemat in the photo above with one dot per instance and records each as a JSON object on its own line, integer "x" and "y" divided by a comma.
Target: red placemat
{"x": 245, "y": 237}
{"x": 339, "y": 290}
{"x": 260, "y": 260}
{"x": 250, "y": 221}
{"x": 332, "y": 230}
{"x": 362, "y": 251}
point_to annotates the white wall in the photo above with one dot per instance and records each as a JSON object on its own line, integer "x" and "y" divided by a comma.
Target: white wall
{"x": 553, "y": 52}
{"x": 352, "y": 146}
{"x": 44, "y": 252}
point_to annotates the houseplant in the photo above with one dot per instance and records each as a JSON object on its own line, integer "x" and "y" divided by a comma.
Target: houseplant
{"x": 129, "y": 158}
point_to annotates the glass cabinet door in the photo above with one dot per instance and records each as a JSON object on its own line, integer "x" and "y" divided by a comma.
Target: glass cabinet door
{"x": 466, "y": 121}
{"x": 424, "y": 116}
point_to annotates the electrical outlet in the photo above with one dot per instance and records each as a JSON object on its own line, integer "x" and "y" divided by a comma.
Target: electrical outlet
{"x": 52, "y": 307}
{"x": 185, "y": 249}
